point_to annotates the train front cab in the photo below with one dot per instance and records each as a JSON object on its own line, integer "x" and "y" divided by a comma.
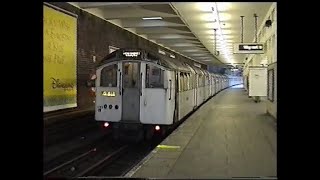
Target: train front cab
{"x": 133, "y": 94}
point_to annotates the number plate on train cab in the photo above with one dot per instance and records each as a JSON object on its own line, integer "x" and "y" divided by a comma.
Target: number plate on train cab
{"x": 108, "y": 93}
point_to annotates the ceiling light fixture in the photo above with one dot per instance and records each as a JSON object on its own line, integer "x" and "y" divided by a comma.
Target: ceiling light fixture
{"x": 152, "y": 18}
{"x": 219, "y": 31}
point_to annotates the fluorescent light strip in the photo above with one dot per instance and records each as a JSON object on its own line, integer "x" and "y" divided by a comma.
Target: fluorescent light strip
{"x": 152, "y": 18}
{"x": 223, "y": 43}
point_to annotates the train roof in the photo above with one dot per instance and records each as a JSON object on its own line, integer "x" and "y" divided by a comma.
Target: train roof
{"x": 136, "y": 54}
{"x": 143, "y": 55}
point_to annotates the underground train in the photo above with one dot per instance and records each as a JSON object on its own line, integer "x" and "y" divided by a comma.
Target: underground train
{"x": 145, "y": 92}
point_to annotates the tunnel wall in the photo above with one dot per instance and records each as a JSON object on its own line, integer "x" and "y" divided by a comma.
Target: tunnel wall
{"x": 94, "y": 36}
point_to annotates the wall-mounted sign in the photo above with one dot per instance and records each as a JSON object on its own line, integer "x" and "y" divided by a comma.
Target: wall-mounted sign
{"x": 131, "y": 54}
{"x": 248, "y": 48}
{"x": 112, "y": 49}
{"x": 59, "y": 59}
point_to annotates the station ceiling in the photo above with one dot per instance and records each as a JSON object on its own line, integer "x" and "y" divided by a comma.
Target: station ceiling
{"x": 187, "y": 27}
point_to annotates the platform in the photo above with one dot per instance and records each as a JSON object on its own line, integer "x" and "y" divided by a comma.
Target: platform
{"x": 229, "y": 136}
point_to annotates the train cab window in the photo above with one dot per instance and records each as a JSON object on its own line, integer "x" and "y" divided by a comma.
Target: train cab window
{"x": 109, "y": 76}
{"x": 154, "y": 77}
{"x": 131, "y": 75}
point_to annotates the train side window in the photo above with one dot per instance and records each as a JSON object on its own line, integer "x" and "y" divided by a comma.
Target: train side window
{"x": 131, "y": 75}
{"x": 203, "y": 80}
{"x": 186, "y": 82}
{"x": 185, "y": 85}
{"x": 154, "y": 77}
{"x": 190, "y": 81}
{"x": 109, "y": 76}
{"x": 181, "y": 82}
{"x": 195, "y": 80}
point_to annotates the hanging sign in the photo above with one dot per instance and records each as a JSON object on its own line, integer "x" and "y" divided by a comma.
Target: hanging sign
{"x": 248, "y": 48}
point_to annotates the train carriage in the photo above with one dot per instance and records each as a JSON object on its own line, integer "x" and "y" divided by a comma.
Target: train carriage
{"x": 140, "y": 91}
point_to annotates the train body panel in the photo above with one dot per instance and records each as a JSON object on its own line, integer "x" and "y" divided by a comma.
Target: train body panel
{"x": 186, "y": 103}
{"x": 217, "y": 84}
{"x": 207, "y": 92}
{"x": 154, "y": 107}
{"x": 170, "y": 106}
{"x": 213, "y": 85}
{"x": 200, "y": 95}
{"x": 138, "y": 87}
{"x": 107, "y": 93}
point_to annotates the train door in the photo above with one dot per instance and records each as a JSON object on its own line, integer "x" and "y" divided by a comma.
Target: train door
{"x": 131, "y": 91}
{"x": 176, "y": 112}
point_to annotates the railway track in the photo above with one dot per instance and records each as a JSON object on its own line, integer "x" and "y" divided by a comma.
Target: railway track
{"x": 107, "y": 159}
{"x": 88, "y": 162}
{"x": 71, "y": 127}
{"x": 60, "y": 153}
{"x": 126, "y": 162}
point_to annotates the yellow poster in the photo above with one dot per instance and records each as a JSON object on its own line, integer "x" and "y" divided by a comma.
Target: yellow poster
{"x": 60, "y": 60}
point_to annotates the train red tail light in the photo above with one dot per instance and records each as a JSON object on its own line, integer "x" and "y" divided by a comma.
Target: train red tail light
{"x": 157, "y": 128}
{"x": 106, "y": 124}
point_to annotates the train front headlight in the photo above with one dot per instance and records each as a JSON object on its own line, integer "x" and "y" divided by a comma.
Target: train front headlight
{"x": 157, "y": 128}
{"x": 106, "y": 124}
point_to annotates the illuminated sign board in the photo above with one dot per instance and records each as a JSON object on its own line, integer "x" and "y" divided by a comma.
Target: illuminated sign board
{"x": 108, "y": 93}
{"x": 248, "y": 48}
{"x": 131, "y": 54}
